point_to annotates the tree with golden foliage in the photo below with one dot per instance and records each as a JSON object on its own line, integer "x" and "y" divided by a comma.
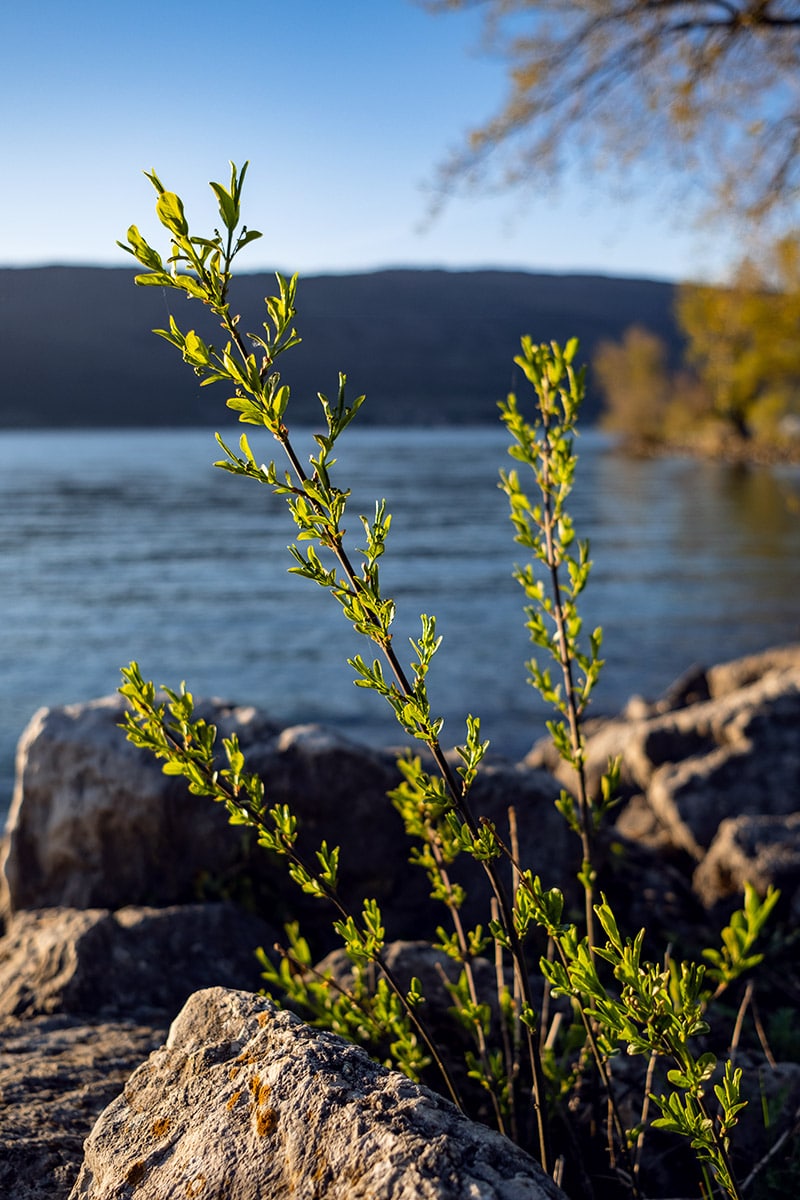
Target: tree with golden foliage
{"x": 633, "y": 378}
{"x": 705, "y": 86}
{"x": 743, "y": 343}
{"x": 643, "y": 399}
{"x": 740, "y": 378}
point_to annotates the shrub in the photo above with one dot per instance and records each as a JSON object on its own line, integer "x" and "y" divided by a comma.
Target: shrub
{"x": 539, "y": 1078}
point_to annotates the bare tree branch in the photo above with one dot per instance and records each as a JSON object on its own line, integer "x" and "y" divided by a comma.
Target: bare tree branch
{"x": 714, "y": 84}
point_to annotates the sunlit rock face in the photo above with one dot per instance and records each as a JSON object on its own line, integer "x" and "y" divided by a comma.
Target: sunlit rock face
{"x": 246, "y": 1102}
{"x": 711, "y": 775}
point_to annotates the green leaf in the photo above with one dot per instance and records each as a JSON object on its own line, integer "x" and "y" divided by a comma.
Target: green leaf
{"x": 156, "y": 279}
{"x": 190, "y": 285}
{"x": 141, "y": 250}
{"x": 169, "y": 209}
{"x": 228, "y": 208}
{"x": 247, "y": 236}
{"x": 156, "y": 182}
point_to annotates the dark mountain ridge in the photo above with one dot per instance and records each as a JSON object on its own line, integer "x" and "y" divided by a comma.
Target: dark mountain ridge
{"x": 427, "y": 346}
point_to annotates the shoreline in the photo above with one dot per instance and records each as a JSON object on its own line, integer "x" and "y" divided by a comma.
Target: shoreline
{"x": 733, "y": 452}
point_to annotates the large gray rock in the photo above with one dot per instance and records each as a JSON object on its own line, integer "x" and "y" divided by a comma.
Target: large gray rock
{"x": 96, "y": 824}
{"x": 338, "y": 790}
{"x": 139, "y": 962}
{"x": 699, "y": 714}
{"x": 727, "y": 677}
{"x": 248, "y": 1103}
{"x": 762, "y": 851}
{"x": 722, "y": 745}
{"x": 753, "y": 767}
{"x": 57, "y": 1074}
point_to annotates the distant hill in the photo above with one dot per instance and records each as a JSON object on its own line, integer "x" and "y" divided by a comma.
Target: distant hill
{"x": 427, "y": 346}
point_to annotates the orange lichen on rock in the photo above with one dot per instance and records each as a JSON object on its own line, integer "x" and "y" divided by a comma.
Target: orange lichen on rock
{"x": 266, "y": 1120}
{"x": 160, "y": 1127}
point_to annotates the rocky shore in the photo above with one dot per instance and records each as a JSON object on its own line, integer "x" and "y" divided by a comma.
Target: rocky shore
{"x": 131, "y": 911}
{"x": 720, "y": 446}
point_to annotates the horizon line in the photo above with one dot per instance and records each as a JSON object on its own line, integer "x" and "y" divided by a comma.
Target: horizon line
{"x": 349, "y": 272}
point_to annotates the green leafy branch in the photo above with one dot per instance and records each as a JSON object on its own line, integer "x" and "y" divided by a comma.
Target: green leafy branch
{"x": 200, "y": 267}
{"x": 545, "y": 444}
{"x": 656, "y": 1010}
{"x": 169, "y": 730}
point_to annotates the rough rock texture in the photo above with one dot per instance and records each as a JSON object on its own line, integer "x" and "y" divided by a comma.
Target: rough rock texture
{"x": 756, "y": 850}
{"x": 727, "y": 677}
{"x": 711, "y": 775}
{"x": 247, "y": 1103}
{"x": 56, "y": 1075}
{"x": 140, "y": 961}
{"x": 96, "y": 824}
{"x": 754, "y": 767}
{"x": 690, "y": 768}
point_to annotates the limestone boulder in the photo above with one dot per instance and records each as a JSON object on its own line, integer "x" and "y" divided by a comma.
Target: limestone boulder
{"x": 727, "y": 677}
{"x": 761, "y": 850}
{"x": 140, "y": 962}
{"x": 94, "y": 823}
{"x": 642, "y": 738}
{"x": 246, "y": 1102}
{"x": 702, "y": 711}
{"x": 752, "y": 769}
{"x": 338, "y": 790}
{"x": 721, "y": 746}
{"x": 728, "y": 806}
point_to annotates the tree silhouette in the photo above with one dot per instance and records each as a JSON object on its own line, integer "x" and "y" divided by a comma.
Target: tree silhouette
{"x": 707, "y": 87}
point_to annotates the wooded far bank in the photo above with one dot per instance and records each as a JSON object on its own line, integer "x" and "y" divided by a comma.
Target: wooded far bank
{"x": 427, "y": 346}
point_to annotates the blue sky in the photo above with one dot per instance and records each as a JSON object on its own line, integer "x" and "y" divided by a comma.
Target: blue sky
{"x": 344, "y": 109}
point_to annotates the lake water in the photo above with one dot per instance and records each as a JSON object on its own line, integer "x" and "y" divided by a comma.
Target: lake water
{"x": 131, "y": 545}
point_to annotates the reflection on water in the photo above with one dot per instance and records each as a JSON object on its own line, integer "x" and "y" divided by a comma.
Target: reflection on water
{"x": 130, "y": 545}
{"x": 700, "y": 559}
{"x": 765, "y": 502}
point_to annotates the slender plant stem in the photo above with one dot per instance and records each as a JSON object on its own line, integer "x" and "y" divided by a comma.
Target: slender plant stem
{"x": 648, "y": 1087}
{"x": 565, "y": 663}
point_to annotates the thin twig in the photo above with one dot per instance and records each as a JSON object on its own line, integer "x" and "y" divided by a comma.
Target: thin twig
{"x": 761, "y": 1032}
{"x": 793, "y": 1129}
{"x": 648, "y": 1087}
{"x": 737, "y": 1028}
